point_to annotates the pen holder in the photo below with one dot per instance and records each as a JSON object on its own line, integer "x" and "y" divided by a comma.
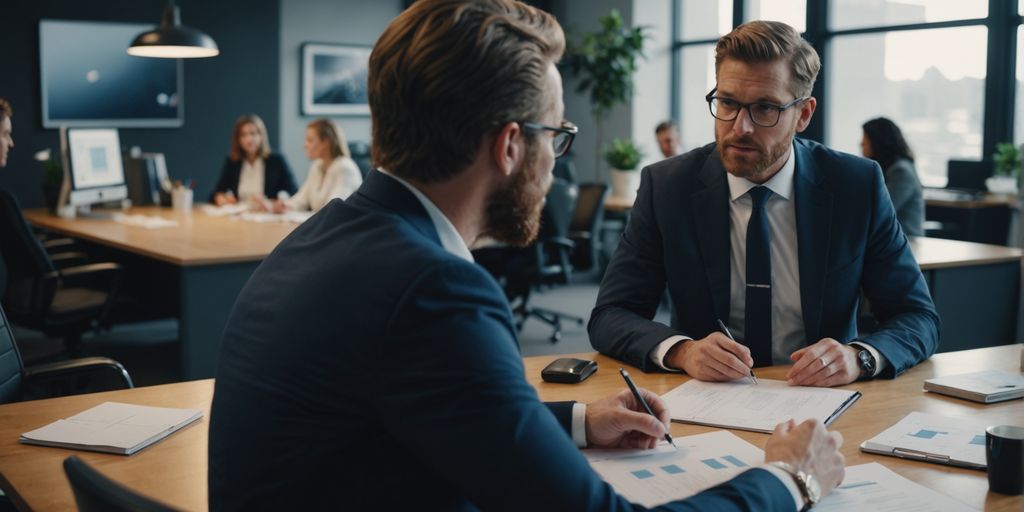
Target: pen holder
{"x": 181, "y": 200}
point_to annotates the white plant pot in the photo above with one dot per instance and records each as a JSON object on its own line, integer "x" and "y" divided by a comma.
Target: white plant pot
{"x": 625, "y": 184}
{"x": 1002, "y": 184}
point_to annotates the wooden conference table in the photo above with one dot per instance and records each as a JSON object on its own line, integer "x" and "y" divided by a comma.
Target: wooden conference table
{"x": 174, "y": 470}
{"x": 197, "y": 267}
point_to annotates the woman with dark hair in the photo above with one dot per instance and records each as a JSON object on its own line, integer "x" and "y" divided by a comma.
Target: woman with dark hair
{"x": 883, "y": 142}
{"x": 251, "y": 173}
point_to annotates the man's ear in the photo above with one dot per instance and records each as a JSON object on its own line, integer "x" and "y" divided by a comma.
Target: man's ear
{"x": 806, "y": 112}
{"x": 507, "y": 149}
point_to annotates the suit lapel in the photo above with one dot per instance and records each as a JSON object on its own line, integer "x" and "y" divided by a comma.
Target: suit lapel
{"x": 710, "y": 205}
{"x": 380, "y": 189}
{"x": 813, "y": 229}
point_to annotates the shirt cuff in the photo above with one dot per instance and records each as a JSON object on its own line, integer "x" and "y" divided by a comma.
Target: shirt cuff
{"x": 661, "y": 350}
{"x": 579, "y": 424}
{"x": 787, "y": 480}
{"x": 880, "y": 362}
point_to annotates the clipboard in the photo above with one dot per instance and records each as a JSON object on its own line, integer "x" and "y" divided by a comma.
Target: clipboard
{"x": 932, "y": 438}
{"x": 936, "y": 458}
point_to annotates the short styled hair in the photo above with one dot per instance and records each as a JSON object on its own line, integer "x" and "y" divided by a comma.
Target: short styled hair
{"x": 664, "y": 126}
{"x": 767, "y": 41}
{"x": 237, "y": 153}
{"x": 446, "y": 73}
{"x": 6, "y": 112}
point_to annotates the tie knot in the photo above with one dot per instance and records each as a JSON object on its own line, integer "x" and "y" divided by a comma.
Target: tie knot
{"x": 760, "y": 195}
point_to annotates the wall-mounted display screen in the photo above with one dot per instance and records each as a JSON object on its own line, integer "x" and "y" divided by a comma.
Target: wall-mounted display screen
{"x": 89, "y": 80}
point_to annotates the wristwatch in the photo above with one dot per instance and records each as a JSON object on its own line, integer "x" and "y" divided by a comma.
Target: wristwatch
{"x": 808, "y": 485}
{"x": 866, "y": 361}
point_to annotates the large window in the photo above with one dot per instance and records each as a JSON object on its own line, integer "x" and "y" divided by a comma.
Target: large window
{"x": 791, "y": 12}
{"x": 704, "y": 19}
{"x": 929, "y": 82}
{"x": 1018, "y": 130}
{"x": 847, "y": 14}
{"x": 697, "y": 125}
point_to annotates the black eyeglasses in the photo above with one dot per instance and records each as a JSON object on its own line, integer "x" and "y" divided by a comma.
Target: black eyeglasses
{"x": 564, "y": 135}
{"x": 762, "y": 114}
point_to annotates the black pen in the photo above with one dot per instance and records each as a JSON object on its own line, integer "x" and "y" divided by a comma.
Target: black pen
{"x": 640, "y": 398}
{"x": 725, "y": 330}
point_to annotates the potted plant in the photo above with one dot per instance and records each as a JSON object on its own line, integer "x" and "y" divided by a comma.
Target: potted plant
{"x": 604, "y": 63}
{"x": 624, "y": 157}
{"x": 53, "y": 177}
{"x": 1006, "y": 161}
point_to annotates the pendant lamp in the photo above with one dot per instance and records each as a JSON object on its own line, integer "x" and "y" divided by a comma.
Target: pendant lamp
{"x": 172, "y": 40}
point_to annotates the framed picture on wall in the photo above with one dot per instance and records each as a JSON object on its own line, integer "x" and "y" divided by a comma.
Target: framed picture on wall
{"x": 334, "y": 79}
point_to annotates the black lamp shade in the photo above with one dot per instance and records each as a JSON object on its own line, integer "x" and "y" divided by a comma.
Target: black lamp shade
{"x": 172, "y": 40}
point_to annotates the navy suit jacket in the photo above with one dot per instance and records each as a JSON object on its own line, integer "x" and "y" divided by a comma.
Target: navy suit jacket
{"x": 276, "y": 177}
{"x": 365, "y": 367}
{"x": 849, "y": 240}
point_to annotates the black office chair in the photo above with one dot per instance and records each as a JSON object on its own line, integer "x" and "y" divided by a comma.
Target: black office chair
{"x": 62, "y": 378}
{"x": 97, "y": 493}
{"x": 547, "y": 261}
{"x": 585, "y": 228}
{"x": 361, "y": 154}
{"x": 60, "y": 302}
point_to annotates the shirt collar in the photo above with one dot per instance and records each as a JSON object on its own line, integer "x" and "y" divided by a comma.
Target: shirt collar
{"x": 781, "y": 184}
{"x": 450, "y": 238}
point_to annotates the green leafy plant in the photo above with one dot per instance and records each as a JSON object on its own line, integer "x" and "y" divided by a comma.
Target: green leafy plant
{"x": 1006, "y": 159}
{"x": 623, "y": 155}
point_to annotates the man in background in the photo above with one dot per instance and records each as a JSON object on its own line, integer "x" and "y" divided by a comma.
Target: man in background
{"x": 6, "y": 142}
{"x": 668, "y": 139}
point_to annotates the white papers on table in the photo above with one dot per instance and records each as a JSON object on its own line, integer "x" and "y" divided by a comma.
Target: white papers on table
{"x": 664, "y": 474}
{"x": 758, "y": 407}
{"x": 225, "y": 210}
{"x": 875, "y": 488}
{"x": 933, "y": 438}
{"x": 144, "y": 221}
{"x": 262, "y": 217}
{"x": 985, "y": 387}
{"x": 113, "y": 427}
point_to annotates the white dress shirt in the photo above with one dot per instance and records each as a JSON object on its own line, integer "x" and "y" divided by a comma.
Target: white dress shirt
{"x": 250, "y": 180}
{"x": 787, "y": 317}
{"x": 340, "y": 179}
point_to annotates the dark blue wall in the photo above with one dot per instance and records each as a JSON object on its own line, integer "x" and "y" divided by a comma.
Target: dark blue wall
{"x": 242, "y": 79}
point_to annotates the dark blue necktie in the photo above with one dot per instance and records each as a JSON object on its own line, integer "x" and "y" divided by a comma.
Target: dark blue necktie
{"x": 758, "y": 310}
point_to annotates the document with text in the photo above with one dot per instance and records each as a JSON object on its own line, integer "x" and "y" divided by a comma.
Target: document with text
{"x": 878, "y": 489}
{"x": 664, "y": 474}
{"x": 933, "y": 438}
{"x": 758, "y": 407}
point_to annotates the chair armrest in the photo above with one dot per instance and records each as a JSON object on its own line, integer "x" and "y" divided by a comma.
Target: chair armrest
{"x": 106, "y": 276}
{"x": 77, "y": 366}
{"x": 66, "y": 260}
{"x": 59, "y": 245}
{"x": 560, "y": 240}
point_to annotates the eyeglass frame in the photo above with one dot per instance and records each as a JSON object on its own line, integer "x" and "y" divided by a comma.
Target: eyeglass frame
{"x": 779, "y": 108}
{"x": 568, "y": 128}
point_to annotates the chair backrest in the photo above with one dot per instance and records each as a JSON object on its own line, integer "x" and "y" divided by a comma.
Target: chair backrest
{"x": 968, "y": 174}
{"x": 10, "y": 364}
{"x": 589, "y": 207}
{"x": 30, "y": 272}
{"x": 361, "y": 154}
{"x": 559, "y": 205}
{"x": 95, "y": 492}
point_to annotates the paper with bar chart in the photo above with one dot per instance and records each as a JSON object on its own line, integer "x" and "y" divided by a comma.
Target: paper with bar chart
{"x": 758, "y": 407}
{"x": 876, "y": 488}
{"x": 664, "y": 474}
{"x": 933, "y": 438}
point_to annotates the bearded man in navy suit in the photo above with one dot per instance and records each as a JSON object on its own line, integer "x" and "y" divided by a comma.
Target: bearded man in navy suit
{"x": 370, "y": 364}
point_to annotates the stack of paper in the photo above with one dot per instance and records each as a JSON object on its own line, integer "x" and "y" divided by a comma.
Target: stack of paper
{"x": 758, "y": 407}
{"x": 113, "y": 427}
{"x": 876, "y": 488}
{"x": 985, "y": 387}
{"x": 933, "y": 438}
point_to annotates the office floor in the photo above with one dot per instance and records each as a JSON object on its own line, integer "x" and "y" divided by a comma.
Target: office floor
{"x": 150, "y": 352}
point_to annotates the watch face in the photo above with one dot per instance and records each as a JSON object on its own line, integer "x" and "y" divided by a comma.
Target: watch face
{"x": 813, "y": 489}
{"x": 867, "y": 363}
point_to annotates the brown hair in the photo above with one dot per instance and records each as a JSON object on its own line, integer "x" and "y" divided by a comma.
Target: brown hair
{"x": 767, "y": 41}
{"x": 237, "y": 153}
{"x": 5, "y": 109}
{"x": 330, "y": 131}
{"x": 445, "y": 73}
{"x": 663, "y": 126}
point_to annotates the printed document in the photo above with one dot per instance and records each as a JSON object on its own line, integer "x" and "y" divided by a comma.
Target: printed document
{"x": 933, "y": 438}
{"x": 758, "y": 407}
{"x": 873, "y": 487}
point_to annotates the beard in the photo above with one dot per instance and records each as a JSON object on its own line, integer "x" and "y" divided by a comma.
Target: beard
{"x": 754, "y": 166}
{"x": 513, "y": 211}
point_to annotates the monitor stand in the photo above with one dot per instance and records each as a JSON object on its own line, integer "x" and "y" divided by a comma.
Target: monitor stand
{"x": 86, "y": 212}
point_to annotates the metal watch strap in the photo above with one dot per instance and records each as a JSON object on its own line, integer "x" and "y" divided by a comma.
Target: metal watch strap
{"x": 798, "y": 478}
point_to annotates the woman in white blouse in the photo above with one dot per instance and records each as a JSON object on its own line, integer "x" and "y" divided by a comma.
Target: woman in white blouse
{"x": 332, "y": 174}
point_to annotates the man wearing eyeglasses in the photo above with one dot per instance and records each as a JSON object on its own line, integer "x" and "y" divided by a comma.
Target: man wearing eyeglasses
{"x": 772, "y": 235}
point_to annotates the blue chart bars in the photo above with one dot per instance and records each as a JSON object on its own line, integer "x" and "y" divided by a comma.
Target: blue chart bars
{"x": 715, "y": 464}
{"x": 672, "y": 469}
{"x": 978, "y": 440}
{"x": 642, "y": 473}
{"x": 926, "y": 434}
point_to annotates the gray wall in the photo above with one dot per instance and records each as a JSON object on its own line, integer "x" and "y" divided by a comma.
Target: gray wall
{"x": 244, "y": 78}
{"x": 322, "y": 21}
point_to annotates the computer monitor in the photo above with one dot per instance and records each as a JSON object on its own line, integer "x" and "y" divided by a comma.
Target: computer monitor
{"x": 968, "y": 175}
{"x": 93, "y": 170}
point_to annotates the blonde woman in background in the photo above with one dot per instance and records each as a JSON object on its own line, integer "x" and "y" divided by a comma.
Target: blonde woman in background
{"x": 332, "y": 174}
